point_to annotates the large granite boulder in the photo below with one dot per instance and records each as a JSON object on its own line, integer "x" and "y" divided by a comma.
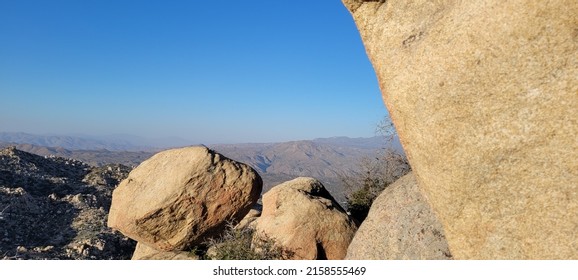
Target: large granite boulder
{"x": 305, "y": 221}
{"x": 484, "y": 96}
{"x": 400, "y": 226}
{"x": 179, "y": 198}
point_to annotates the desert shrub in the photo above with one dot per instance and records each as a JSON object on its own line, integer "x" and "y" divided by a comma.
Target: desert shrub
{"x": 373, "y": 176}
{"x": 239, "y": 244}
{"x": 359, "y": 202}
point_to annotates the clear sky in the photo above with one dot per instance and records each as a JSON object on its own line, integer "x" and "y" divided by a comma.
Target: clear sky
{"x": 208, "y": 71}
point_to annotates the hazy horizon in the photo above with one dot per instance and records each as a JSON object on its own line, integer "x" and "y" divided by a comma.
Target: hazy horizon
{"x": 136, "y": 141}
{"x": 208, "y": 72}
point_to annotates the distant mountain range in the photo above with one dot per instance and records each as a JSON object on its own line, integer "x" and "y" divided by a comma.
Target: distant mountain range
{"x": 123, "y": 142}
{"x": 324, "y": 158}
{"x": 110, "y": 142}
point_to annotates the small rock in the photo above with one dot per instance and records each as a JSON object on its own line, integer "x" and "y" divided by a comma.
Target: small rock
{"x": 144, "y": 252}
{"x": 249, "y": 220}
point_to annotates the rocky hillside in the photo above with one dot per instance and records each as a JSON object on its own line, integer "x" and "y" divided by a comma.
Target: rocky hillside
{"x": 56, "y": 208}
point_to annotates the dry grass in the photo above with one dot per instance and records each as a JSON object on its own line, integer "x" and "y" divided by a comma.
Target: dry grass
{"x": 240, "y": 244}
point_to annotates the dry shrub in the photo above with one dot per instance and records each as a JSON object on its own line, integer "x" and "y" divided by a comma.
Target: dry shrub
{"x": 372, "y": 177}
{"x": 240, "y": 244}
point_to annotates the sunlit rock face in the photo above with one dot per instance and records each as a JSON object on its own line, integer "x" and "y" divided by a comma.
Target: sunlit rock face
{"x": 305, "y": 221}
{"x": 180, "y": 198}
{"x": 484, "y": 96}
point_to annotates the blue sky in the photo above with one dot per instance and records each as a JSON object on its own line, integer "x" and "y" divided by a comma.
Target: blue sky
{"x": 207, "y": 71}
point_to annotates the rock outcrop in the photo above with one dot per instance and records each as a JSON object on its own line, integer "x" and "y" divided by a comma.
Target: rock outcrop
{"x": 304, "y": 219}
{"x": 400, "y": 226}
{"x": 178, "y": 198}
{"x": 484, "y": 96}
{"x": 56, "y": 208}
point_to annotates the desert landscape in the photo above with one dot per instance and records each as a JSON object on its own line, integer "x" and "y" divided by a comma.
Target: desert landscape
{"x": 483, "y": 164}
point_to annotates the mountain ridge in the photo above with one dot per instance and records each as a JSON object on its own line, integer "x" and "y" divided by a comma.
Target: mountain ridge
{"x": 326, "y": 159}
{"x": 116, "y": 142}
{"x": 126, "y": 142}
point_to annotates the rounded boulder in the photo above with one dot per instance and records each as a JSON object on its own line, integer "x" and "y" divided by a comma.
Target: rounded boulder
{"x": 179, "y": 198}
